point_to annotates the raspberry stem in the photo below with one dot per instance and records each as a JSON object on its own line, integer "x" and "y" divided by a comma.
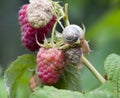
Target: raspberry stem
{"x": 66, "y": 15}
{"x": 92, "y": 69}
{"x": 54, "y": 27}
{"x": 52, "y": 36}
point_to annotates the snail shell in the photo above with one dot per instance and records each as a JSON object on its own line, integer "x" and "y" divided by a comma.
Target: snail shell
{"x": 72, "y": 33}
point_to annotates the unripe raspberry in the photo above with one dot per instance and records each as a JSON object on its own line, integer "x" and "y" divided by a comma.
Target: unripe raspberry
{"x": 50, "y": 63}
{"x": 39, "y": 12}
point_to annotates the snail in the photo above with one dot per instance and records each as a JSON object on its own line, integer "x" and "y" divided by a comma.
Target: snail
{"x": 73, "y": 33}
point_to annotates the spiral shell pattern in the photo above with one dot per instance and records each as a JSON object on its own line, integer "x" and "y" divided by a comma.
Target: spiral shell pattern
{"x": 72, "y": 33}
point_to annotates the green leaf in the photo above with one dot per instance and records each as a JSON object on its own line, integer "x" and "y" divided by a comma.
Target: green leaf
{"x": 109, "y": 89}
{"x": 51, "y": 92}
{"x": 3, "y": 93}
{"x": 112, "y": 63}
{"x": 70, "y": 79}
{"x": 15, "y": 72}
{"x": 104, "y": 91}
{"x": 112, "y": 67}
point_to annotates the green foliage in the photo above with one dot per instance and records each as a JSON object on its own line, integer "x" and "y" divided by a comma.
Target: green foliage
{"x": 104, "y": 91}
{"x": 3, "y": 93}
{"x": 51, "y": 92}
{"x": 15, "y": 72}
{"x": 110, "y": 89}
{"x": 112, "y": 67}
{"x": 70, "y": 76}
{"x": 17, "y": 77}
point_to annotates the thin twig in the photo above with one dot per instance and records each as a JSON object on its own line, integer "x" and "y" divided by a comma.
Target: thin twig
{"x": 92, "y": 69}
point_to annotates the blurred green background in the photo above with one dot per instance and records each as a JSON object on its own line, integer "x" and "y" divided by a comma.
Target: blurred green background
{"x": 100, "y": 17}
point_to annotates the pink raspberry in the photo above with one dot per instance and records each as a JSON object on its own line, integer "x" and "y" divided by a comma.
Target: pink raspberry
{"x": 22, "y": 16}
{"x": 29, "y": 32}
{"x": 50, "y": 63}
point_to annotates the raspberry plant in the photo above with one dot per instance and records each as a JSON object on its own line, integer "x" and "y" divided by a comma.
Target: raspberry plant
{"x": 54, "y": 70}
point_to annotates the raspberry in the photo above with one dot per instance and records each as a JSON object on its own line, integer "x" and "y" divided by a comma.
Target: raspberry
{"x": 42, "y": 14}
{"x": 29, "y": 32}
{"x": 73, "y": 56}
{"x": 33, "y": 83}
{"x": 22, "y": 16}
{"x": 28, "y": 37}
{"x": 50, "y": 63}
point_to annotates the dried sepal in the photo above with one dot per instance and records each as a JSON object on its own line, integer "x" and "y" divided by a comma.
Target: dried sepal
{"x": 85, "y": 46}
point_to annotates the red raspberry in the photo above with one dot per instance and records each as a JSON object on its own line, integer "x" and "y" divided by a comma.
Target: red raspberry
{"x": 50, "y": 65}
{"x": 22, "y": 16}
{"x": 28, "y": 32}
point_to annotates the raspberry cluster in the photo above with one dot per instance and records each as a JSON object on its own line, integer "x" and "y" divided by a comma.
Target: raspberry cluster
{"x": 29, "y": 32}
{"x": 50, "y": 63}
{"x": 36, "y": 20}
